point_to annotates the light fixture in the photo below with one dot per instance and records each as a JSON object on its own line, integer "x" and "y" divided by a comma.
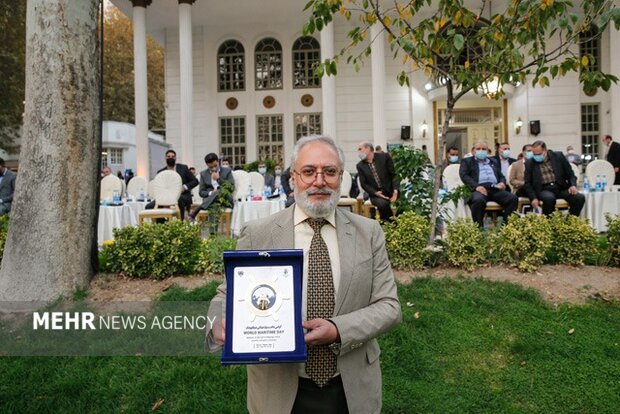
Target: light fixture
{"x": 428, "y": 86}
{"x": 491, "y": 88}
{"x": 518, "y": 125}
{"x": 424, "y": 128}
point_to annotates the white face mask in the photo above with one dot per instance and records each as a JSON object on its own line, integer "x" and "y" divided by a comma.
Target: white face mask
{"x": 361, "y": 155}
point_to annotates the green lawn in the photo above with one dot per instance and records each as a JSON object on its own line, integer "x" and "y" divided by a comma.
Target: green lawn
{"x": 477, "y": 347}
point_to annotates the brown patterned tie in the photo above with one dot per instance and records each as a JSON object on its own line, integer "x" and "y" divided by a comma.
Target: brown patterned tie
{"x": 321, "y": 363}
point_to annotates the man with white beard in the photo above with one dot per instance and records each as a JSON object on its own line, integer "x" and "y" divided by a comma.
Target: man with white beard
{"x": 349, "y": 294}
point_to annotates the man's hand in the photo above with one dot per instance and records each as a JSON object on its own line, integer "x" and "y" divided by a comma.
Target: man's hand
{"x": 320, "y": 332}
{"x": 215, "y": 176}
{"x": 500, "y": 186}
{"x": 535, "y": 203}
{"x": 381, "y": 195}
{"x": 572, "y": 190}
{"x": 394, "y": 196}
{"x": 219, "y": 332}
{"x": 482, "y": 190}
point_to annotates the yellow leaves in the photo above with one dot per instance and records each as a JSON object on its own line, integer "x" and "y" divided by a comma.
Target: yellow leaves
{"x": 466, "y": 64}
{"x": 440, "y": 23}
{"x": 387, "y": 21}
{"x": 499, "y": 37}
{"x": 371, "y": 18}
{"x": 584, "y": 61}
{"x": 391, "y": 38}
{"x": 363, "y": 34}
{"x": 343, "y": 11}
{"x": 405, "y": 59}
{"x": 498, "y": 19}
{"x": 157, "y": 404}
{"x": 544, "y": 4}
{"x": 457, "y": 18}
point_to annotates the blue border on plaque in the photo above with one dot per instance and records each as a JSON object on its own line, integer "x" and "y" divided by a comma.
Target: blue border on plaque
{"x": 233, "y": 259}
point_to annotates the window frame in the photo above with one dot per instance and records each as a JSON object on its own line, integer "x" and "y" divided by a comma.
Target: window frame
{"x": 306, "y": 68}
{"x": 271, "y": 49}
{"x": 238, "y": 141}
{"x": 231, "y": 64}
{"x": 307, "y": 124}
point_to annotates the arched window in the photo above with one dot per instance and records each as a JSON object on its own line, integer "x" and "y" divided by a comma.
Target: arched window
{"x": 306, "y": 57}
{"x": 590, "y": 45}
{"x": 230, "y": 66}
{"x": 268, "y": 59}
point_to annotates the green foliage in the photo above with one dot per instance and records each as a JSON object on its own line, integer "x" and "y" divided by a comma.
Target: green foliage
{"x": 253, "y": 166}
{"x": 4, "y": 229}
{"x": 153, "y": 250}
{"x": 406, "y": 237}
{"x": 613, "y": 237}
{"x": 525, "y": 240}
{"x": 211, "y": 249}
{"x": 466, "y": 244}
{"x": 572, "y": 240}
{"x": 415, "y": 173}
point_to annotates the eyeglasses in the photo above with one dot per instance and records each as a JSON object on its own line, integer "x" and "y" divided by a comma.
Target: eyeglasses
{"x": 308, "y": 175}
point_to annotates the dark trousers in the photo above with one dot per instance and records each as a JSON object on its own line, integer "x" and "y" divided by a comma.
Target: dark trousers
{"x": 478, "y": 203}
{"x": 185, "y": 202}
{"x": 551, "y": 193}
{"x": 384, "y": 207}
{"x": 311, "y": 399}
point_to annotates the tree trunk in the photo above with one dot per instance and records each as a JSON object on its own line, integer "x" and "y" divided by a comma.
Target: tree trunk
{"x": 49, "y": 245}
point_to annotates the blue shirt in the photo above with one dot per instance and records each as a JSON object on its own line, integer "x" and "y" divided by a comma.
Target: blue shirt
{"x": 486, "y": 175}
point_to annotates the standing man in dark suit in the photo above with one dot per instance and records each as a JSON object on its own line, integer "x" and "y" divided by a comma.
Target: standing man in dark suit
{"x": 7, "y": 188}
{"x": 504, "y": 160}
{"x": 189, "y": 181}
{"x": 483, "y": 175}
{"x": 378, "y": 178}
{"x": 549, "y": 176}
{"x": 613, "y": 156}
{"x": 211, "y": 180}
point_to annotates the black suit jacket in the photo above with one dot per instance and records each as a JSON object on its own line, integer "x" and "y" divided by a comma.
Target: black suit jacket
{"x": 613, "y": 155}
{"x": 188, "y": 178}
{"x": 385, "y": 171}
{"x": 564, "y": 176}
{"x": 470, "y": 171}
{"x": 206, "y": 186}
{"x": 499, "y": 160}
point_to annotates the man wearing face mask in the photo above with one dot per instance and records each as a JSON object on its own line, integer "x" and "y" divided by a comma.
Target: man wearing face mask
{"x": 269, "y": 180}
{"x": 452, "y": 157}
{"x": 572, "y": 156}
{"x": 483, "y": 175}
{"x": 504, "y": 159}
{"x": 549, "y": 176}
{"x": 211, "y": 179}
{"x": 189, "y": 182}
{"x": 517, "y": 172}
{"x": 378, "y": 178}
{"x": 278, "y": 178}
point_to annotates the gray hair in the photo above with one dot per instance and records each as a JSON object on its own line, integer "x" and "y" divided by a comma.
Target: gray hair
{"x": 539, "y": 143}
{"x": 481, "y": 142}
{"x": 317, "y": 138}
{"x": 368, "y": 145}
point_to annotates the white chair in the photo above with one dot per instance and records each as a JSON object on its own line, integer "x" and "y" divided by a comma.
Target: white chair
{"x": 137, "y": 185}
{"x": 109, "y": 185}
{"x": 257, "y": 182}
{"x": 345, "y": 189}
{"x": 196, "y": 199}
{"x": 452, "y": 177}
{"x": 167, "y": 187}
{"x": 601, "y": 168}
{"x": 242, "y": 184}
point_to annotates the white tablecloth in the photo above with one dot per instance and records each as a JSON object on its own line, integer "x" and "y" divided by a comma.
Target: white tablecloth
{"x": 112, "y": 217}
{"x": 245, "y": 211}
{"x": 599, "y": 204}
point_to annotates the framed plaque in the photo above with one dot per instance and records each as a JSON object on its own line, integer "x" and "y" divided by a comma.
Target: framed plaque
{"x": 263, "y": 307}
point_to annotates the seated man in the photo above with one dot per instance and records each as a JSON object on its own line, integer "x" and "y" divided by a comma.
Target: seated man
{"x": 549, "y": 176}
{"x": 378, "y": 178}
{"x": 7, "y": 188}
{"x": 483, "y": 175}
{"x": 452, "y": 157}
{"x": 211, "y": 180}
{"x": 269, "y": 180}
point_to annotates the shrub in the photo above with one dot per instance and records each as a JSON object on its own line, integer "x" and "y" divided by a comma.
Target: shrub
{"x": 406, "y": 237}
{"x": 415, "y": 172}
{"x": 613, "y": 239}
{"x": 210, "y": 256}
{"x": 572, "y": 240}
{"x": 4, "y": 228}
{"x": 153, "y": 250}
{"x": 466, "y": 246}
{"x": 525, "y": 240}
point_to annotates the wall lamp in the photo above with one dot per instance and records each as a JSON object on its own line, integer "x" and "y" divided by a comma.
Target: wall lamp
{"x": 424, "y": 128}
{"x": 518, "y": 125}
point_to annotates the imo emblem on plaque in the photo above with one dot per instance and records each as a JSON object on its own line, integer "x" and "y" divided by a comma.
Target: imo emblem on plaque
{"x": 264, "y": 298}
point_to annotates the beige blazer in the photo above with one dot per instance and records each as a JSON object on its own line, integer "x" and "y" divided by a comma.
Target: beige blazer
{"x": 517, "y": 175}
{"x": 366, "y": 306}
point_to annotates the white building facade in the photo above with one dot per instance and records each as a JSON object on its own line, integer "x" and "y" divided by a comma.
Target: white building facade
{"x": 237, "y": 84}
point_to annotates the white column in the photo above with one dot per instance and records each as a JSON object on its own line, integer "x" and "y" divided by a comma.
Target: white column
{"x": 186, "y": 75}
{"x": 140, "y": 87}
{"x": 328, "y": 83}
{"x": 378, "y": 85}
{"x": 614, "y": 64}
